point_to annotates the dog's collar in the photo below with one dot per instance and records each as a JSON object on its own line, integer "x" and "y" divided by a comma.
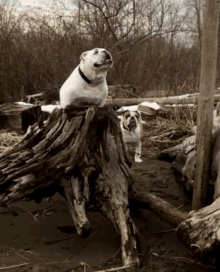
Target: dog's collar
{"x": 84, "y": 77}
{"x": 87, "y": 79}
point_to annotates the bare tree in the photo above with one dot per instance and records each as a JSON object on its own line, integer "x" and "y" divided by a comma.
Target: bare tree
{"x": 194, "y": 20}
{"x": 148, "y": 40}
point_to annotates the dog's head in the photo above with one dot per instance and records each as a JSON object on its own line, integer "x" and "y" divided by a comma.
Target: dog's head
{"x": 98, "y": 59}
{"x": 131, "y": 119}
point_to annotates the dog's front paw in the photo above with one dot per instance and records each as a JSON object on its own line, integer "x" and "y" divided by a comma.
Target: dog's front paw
{"x": 137, "y": 158}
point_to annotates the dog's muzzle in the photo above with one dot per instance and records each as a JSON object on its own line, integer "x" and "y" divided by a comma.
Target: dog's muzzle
{"x": 132, "y": 124}
{"x": 106, "y": 60}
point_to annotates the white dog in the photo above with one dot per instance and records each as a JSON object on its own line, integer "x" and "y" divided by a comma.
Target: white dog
{"x": 132, "y": 130}
{"x": 87, "y": 84}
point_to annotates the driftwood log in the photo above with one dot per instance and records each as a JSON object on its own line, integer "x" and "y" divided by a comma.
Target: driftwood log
{"x": 170, "y": 100}
{"x": 183, "y": 161}
{"x": 201, "y": 232}
{"x": 19, "y": 117}
{"x": 163, "y": 209}
{"x": 81, "y": 155}
{"x": 47, "y": 96}
{"x": 201, "y": 229}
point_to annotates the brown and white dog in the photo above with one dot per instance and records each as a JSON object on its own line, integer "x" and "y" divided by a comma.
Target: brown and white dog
{"x": 132, "y": 130}
{"x": 87, "y": 84}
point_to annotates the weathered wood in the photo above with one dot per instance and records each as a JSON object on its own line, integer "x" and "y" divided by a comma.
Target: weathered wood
{"x": 154, "y": 203}
{"x": 169, "y": 100}
{"x": 201, "y": 232}
{"x": 206, "y": 102}
{"x": 19, "y": 117}
{"x": 120, "y": 102}
{"x": 185, "y": 147}
{"x": 215, "y": 163}
{"x": 183, "y": 161}
{"x": 79, "y": 153}
{"x": 46, "y": 96}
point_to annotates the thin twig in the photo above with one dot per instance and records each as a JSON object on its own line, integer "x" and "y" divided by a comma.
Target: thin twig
{"x": 58, "y": 241}
{"x": 23, "y": 250}
{"x": 90, "y": 238}
{"x": 112, "y": 258}
{"x": 163, "y": 231}
{"x": 182, "y": 259}
{"x": 114, "y": 269}
{"x": 181, "y": 206}
{"x": 21, "y": 256}
{"x": 61, "y": 262}
{"x": 13, "y": 266}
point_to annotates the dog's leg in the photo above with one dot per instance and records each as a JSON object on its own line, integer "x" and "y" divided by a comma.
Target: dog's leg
{"x": 137, "y": 156}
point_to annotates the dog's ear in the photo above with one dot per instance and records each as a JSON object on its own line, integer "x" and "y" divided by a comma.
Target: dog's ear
{"x": 83, "y": 55}
{"x": 138, "y": 113}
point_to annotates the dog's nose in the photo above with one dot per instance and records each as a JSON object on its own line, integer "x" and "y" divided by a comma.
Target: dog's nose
{"x": 132, "y": 123}
{"x": 107, "y": 55}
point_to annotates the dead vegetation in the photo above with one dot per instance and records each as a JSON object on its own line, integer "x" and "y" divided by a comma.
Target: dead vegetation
{"x": 161, "y": 133}
{"x": 8, "y": 138}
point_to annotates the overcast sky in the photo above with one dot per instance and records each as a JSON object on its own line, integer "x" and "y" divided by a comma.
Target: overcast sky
{"x": 38, "y": 3}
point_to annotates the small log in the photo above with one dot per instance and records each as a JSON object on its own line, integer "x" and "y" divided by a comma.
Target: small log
{"x": 46, "y": 96}
{"x": 201, "y": 232}
{"x": 19, "y": 117}
{"x": 120, "y": 102}
{"x": 79, "y": 153}
{"x": 165, "y": 210}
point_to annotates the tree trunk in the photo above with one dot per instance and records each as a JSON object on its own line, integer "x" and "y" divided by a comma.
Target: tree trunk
{"x": 206, "y": 103}
{"x": 81, "y": 155}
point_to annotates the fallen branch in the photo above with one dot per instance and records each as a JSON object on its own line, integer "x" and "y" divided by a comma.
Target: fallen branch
{"x": 163, "y": 231}
{"x": 14, "y": 266}
{"x": 154, "y": 203}
{"x": 183, "y": 259}
{"x": 115, "y": 268}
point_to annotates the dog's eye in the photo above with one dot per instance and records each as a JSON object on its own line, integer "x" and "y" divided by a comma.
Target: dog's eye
{"x": 127, "y": 115}
{"x": 137, "y": 114}
{"x": 96, "y": 51}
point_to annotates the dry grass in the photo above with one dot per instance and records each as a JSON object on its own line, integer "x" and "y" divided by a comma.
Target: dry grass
{"x": 161, "y": 133}
{"x": 8, "y": 139}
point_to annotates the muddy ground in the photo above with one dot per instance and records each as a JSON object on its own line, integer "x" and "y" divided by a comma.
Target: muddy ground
{"x": 41, "y": 237}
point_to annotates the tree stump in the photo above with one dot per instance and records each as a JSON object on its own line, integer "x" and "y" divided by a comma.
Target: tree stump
{"x": 19, "y": 117}
{"x": 80, "y": 154}
{"x": 201, "y": 232}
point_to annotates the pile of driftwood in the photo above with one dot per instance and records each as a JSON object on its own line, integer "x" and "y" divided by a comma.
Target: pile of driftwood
{"x": 81, "y": 155}
{"x": 201, "y": 229}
